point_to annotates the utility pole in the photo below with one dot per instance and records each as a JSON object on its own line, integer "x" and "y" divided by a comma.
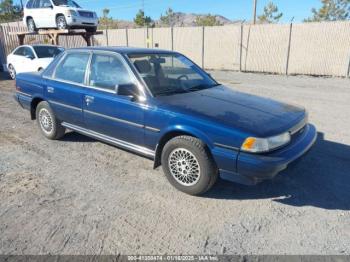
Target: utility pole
{"x": 254, "y": 11}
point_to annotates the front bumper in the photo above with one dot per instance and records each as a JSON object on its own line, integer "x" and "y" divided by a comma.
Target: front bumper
{"x": 254, "y": 168}
{"x": 79, "y": 21}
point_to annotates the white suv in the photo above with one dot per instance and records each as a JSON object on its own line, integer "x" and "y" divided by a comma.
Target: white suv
{"x": 60, "y": 14}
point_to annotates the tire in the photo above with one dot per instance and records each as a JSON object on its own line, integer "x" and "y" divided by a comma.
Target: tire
{"x": 61, "y": 22}
{"x": 31, "y": 25}
{"x": 184, "y": 155}
{"x": 91, "y": 29}
{"x": 12, "y": 71}
{"x": 47, "y": 122}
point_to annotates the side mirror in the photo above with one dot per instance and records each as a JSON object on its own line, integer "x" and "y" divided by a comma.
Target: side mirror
{"x": 30, "y": 57}
{"x": 129, "y": 91}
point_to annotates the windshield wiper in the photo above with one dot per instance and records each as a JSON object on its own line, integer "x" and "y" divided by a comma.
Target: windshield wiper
{"x": 171, "y": 92}
{"x": 201, "y": 87}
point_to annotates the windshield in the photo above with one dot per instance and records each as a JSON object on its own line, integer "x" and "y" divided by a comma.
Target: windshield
{"x": 168, "y": 74}
{"x": 69, "y": 3}
{"x": 47, "y": 51}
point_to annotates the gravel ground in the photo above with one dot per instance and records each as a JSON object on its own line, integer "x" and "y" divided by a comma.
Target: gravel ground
{"x": 80, "y": 196}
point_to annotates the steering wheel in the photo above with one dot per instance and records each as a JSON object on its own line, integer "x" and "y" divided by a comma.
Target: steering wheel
{"x": 182, "y": 76}
{"x": 183, "y": 86}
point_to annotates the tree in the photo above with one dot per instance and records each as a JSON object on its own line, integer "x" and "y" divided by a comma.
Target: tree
{"x": 9, "y": 12}
{"x": 331, "y": 10}
{"x": 207, "y": 20}
{"x": 107, "y": 22}
{"x": 169, "y": 19}
{"x": 271, "y": 14}
{"x": 142, "y": 20}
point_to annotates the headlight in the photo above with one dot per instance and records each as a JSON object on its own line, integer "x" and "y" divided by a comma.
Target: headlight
{"x": 71, "y": 13}
{"x": 259, "y": 145}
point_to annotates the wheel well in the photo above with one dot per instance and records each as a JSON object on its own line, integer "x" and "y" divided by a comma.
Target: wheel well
{"x": 163, "y": 141}
{"x": 57, "y": 15}
{"x": 33, "y": 106}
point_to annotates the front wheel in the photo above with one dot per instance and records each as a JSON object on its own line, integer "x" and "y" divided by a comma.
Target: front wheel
{"x": 12, "y": 71}
{"x": 61, "y": 22}
{"x": 47, "y": 122}
{"x": 188, "y": 165}
{"x": 91, "y": 29}
{"x": 31, "y": 25}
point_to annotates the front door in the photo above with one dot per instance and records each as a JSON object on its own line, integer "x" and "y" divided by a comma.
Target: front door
{"x": 105, "y": 112}
{"x": 65, "y": 89}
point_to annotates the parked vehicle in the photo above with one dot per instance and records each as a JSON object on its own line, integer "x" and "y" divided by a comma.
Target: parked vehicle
{"x": 161, "y": 105}
{"x": 60, "y": 14}
{"x": 31, "y": 58}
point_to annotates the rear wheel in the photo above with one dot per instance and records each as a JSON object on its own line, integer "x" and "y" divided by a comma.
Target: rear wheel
{"x": 188, "y": 165}
{"x": 47, "y": 122}
{"x": 12, "y": 71}
{"x": 31, "y": 25}
{"x": 61, "y": 22}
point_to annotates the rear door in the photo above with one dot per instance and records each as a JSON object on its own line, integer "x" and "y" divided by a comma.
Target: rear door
{"x": 65, "y": 89}
{"x": 105, "y": 112}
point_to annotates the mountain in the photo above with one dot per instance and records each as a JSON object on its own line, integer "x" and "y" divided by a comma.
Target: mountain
{"x": 184, "y": 19}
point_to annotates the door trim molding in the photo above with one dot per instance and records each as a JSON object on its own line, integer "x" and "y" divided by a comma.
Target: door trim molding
{"x": 111, "y": 140}
{"x": 65, "y": 105}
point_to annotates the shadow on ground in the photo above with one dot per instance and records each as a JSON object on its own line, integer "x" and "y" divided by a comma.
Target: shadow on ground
{"x": 321, "y": 178}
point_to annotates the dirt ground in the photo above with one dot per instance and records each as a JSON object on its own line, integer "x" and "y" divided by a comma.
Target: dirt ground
{"x": 80, "y": 196}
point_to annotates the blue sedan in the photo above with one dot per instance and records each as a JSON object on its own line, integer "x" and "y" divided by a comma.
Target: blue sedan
{"x": 161, "y": 105}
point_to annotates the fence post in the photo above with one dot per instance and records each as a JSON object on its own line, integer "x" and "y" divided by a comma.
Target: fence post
{"x": 289, "y": 44}
{"x": 106, "y": 30}
{"x": 172, "y": 38}
{"x": 241, "y": 49}
{"x": 127, "y": 36}
{"x": 348, "y": 75}
{"x": 203, "y": 29}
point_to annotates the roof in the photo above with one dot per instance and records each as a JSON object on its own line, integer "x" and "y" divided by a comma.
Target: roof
{"x": 125, "y": 50}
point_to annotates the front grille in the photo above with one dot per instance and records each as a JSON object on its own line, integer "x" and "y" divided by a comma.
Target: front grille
{"x": 86, "y": 14}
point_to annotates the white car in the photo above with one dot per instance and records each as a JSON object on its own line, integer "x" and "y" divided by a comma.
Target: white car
{"x": 60, "y": 14}
{"x": 31, "y": 58}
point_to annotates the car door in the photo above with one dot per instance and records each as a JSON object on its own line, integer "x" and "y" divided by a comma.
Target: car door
{"x": 47, "y": 16}
{"x": 106, "y": 112}
{"x": 24, "y": 60}
{"x": 36, "y": 13}
{"x": 65, "y": 89}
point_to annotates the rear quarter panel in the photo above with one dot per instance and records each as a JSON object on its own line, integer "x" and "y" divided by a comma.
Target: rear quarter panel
{"x": 29, "y": 86}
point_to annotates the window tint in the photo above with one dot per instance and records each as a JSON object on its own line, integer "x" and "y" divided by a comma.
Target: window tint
{"x": 167, "y": 74}
{"x": 19, "y": 51}
{"x": 108, "y": 71}
{"x": 35, "y": 4}
{"x": 44, "y": 3}
{"x": 28, "y": 52}
{"x": 72, "y": 68}
{"x": 29, "y": 4}
{"x": 47, "y": 51}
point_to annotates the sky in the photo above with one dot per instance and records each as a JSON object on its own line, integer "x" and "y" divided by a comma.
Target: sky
{"x": 232, "y": 9}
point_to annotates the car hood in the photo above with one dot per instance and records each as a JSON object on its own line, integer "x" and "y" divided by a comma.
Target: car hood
{"x": 252, "y": 114}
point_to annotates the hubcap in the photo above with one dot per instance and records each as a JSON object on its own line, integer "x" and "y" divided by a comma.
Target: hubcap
{"x": 184, "y": 167}
{"x": 31, "y": 25}
{"x": 45, "y": 121}
{"x": 12, "y": 72}
{"x": 61, "y": 24}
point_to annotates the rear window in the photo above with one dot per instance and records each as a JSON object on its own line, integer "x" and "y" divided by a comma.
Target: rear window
{"x": 47, "y": 51}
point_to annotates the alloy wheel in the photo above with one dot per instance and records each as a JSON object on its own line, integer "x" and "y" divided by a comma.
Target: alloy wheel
{"x": 184, "y": 167}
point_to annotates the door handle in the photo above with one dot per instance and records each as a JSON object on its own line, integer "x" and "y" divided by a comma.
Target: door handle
{"x": 50, "y": 89}
{"x": 89, "y": 99}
